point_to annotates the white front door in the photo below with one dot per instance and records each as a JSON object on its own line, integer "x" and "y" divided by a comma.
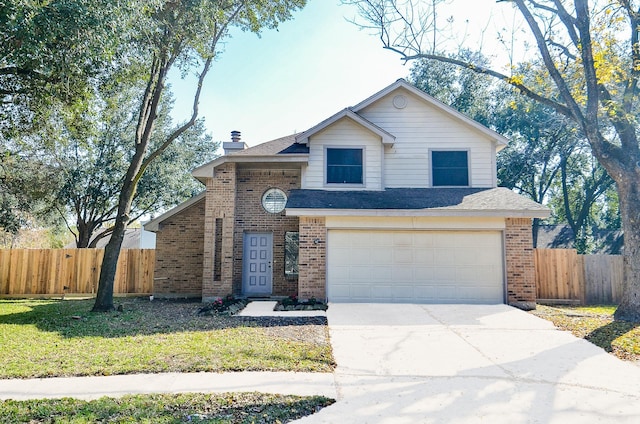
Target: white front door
{"x": 257, "y": 276}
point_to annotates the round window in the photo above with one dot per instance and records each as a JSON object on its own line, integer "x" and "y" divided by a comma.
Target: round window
{"x": 274, "y": 200}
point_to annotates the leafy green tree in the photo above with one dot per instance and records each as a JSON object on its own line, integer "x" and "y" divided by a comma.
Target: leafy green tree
{"x": 25, "y": 179}
{"x": 91, "y": 159}
{"x": 52, "y": 51}
{"x": 183, "y": 34}
{"x": 591, "y": 56}
{"x": 462, "y": 89}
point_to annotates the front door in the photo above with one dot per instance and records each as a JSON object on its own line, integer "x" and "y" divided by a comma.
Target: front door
{"x": 257, "y": 276}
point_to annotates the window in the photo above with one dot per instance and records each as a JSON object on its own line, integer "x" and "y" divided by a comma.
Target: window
{"x": 449, "y": 168}
{"x": 344, "y": 166}
{"x": 291, "y": 253}
{"x": 274, "y": 200}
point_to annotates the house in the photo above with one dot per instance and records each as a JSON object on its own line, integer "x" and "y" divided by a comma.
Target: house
{"x": 134, "y": 238}
{"x": 392, "y": 200}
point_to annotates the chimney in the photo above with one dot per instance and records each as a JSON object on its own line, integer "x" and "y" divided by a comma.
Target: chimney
{"x": 235, "y": 145}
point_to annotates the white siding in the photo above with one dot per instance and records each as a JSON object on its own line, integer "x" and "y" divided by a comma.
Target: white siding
{"x": 419, "y": 128}
{"x": 344, "y": 133}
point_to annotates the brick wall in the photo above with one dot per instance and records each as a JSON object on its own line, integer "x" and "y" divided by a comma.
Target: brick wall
{"x": 313, "y": 258}
{"x": 250, "y": 216}
{"x": 521, "y": 284}
{"x": 220, "y": 204}
{"x": 179, "y": 253}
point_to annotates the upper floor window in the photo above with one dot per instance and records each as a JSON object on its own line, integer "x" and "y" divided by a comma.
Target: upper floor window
{"x": 450, "y": 168}
{"x": 344, "y": 166}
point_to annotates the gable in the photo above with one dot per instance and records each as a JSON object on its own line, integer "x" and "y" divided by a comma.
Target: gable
{"x": 402, "y": 88}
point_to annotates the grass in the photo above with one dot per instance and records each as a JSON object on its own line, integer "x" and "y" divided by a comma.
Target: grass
{"x": 180, "y": 408}
{"x": 596, "y": 324}
{"x": 45, "y": 338}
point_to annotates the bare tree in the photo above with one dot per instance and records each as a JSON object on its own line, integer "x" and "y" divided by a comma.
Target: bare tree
{"x": 591, "y": 56}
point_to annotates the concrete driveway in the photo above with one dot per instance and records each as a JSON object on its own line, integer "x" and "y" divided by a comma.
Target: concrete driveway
{"x": 469, "y": 364}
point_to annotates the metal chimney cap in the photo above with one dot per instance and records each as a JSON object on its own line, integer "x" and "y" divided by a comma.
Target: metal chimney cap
{"x": 235, "y": 136}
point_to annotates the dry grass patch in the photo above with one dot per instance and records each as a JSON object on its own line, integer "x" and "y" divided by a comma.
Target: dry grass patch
{"x": 596, "y": 324}
{"x": 44, "y": 338}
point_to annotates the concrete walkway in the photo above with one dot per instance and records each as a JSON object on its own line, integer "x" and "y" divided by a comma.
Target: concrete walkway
{"x": 264, "y": 308}
{"x": 287, "y": 383}
{"x": 470, "y": 364}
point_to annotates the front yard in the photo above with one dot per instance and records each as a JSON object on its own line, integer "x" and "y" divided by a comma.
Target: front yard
{"x": 164, "y": 408}
{"x": 46, "y": 338}
{"x": 596, "y": 324}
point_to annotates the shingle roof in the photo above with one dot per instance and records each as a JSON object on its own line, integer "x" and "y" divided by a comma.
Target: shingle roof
{"x": 281, "y": 145}
{"x": 454, "y": 199}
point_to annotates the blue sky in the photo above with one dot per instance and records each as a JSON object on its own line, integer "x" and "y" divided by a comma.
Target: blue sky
{"x": 288, "y": 80}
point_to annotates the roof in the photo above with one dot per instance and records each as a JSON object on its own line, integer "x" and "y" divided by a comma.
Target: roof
{"x": 280, "y": 150}
{"x": 154, "y": 224}
{"x": 415, "y": 202}
{"x": 269, "y": 148}
{"x": 285, "y": 150}
{"x": 386, "y": 137}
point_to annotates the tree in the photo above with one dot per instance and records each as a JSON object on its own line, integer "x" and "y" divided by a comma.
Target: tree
{"x": 24, "y": 183}
{"x": 180, "y": 34}
{"x": 91, "y": 159}
{"x": 544, "y": 147}
{"x": 50, "y": 53}
{"x": 591, "y": 56}
{"x": 462, "y": 89}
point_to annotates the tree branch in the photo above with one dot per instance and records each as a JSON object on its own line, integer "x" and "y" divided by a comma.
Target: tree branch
{"x": 562, "y": 109}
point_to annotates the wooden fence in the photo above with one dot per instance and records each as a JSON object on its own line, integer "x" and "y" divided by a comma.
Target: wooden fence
{"x": 55, "y": 272}
{"x": 563, "y": 276}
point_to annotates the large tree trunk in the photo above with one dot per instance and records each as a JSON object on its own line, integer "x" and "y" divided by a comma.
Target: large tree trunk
{"x": 104, "y": 297}
{"x": 629, "y": 192}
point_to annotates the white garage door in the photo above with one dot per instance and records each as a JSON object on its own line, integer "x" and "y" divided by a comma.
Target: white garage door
{"x": 415, "y": 266}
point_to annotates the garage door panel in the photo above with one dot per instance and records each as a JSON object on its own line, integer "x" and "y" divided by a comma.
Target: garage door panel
{"x": 358, "y": 256}
{"x": 424, "y": 256}
{"x": 422, "y": 239}
{"x": 402, "y": 274}
{"x": 381, "y": 255}
{"x": 445, "y": 256}
{"x": 403, "y": 255}
{"x": 415, "y": 266}
{"x": 402, "y": 240}
{"x": 444, "y": 274}
{"x": 382, "y": 273}
{"x": 424, "y": 273}
{"x": 360, "y": 274}
{"x": 341, "y": 257}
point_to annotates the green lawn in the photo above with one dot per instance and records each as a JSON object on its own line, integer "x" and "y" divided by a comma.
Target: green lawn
{"x": 596, "y": 324}
{"x": 44, "y": 338}
{"x": 180, "y": 408}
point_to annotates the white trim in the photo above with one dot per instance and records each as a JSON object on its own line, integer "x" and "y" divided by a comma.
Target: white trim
{"x": 386, "y": 138}
{"x": 154, "y": 224}
{"x": 207, "y": 170}
{"x": 502, "y": 213}
{"x": 498, "y": 138}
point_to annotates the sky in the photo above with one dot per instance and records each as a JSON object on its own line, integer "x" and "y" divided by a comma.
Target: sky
{"x": 313, "y": 66}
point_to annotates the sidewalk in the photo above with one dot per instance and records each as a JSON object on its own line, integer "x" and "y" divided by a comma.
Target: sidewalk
{"x": 286, "y": 383}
